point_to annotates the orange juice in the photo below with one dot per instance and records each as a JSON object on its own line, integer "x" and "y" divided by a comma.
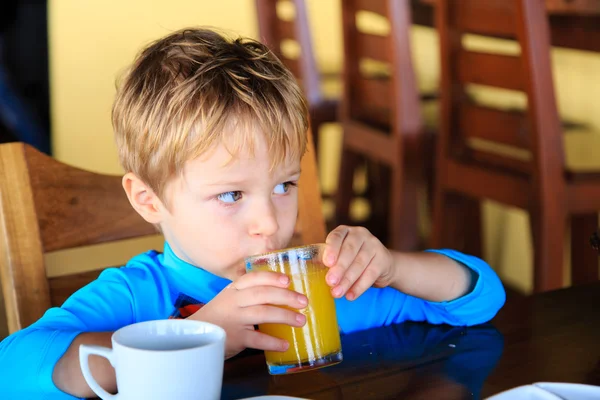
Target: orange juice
{"x": 317, "y": 343}
{"x": 320, "y": 335}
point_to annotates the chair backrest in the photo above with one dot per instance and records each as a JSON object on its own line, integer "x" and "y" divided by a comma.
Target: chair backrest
{"x": 283, "y": 25}
{"x": 379, "y": 81}
{"x": 531, "y": 139}
{"x": 46, "y": 206}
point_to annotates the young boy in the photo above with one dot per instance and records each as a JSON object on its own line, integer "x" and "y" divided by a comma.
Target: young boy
{"x": 210, "y": 132}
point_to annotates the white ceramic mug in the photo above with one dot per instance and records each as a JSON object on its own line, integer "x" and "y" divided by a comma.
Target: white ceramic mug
{"x": 166, "y": 359}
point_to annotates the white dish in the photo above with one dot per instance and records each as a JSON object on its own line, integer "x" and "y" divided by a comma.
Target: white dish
{"x": 273, "y": 397}
{"x": 550, "y": 391}
{"x": 571, "y": 390}
{"x": 528, "y": 392}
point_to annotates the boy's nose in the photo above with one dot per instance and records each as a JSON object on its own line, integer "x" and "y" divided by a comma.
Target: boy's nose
{"x": 264, "y": 220}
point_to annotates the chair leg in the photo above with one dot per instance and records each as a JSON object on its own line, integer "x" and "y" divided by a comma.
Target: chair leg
{"x": 378, "y": 195}
{"x": 315, "y": 126}
{"x": 322, "y": 112}
{"x": 548, "y": 231}
{"x": 436, "y": 236}
{"x": 403, "y": 217}
{"x": 584, "y": 259}
{"x": 428, "y": 166}
{"x": 456, "y": 223}
{"x": 472, "y": 226}
{"x": 345, "y": 191}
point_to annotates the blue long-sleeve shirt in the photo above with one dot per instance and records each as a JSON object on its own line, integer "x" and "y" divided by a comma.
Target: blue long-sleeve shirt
{"x": 150, "y": 286}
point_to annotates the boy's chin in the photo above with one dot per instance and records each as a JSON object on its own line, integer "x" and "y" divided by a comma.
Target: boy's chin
{"x": 235, "y": 271}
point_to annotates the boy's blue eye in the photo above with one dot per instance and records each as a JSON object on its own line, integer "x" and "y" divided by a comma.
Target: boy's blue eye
{"x": 230, "y": 197}
{"x": 283, "y": 188}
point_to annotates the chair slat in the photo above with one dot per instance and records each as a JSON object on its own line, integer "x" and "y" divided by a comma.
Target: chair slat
{"x": 286, "y": 29}
{"x": 293, "y": 65}
{"x": 375, "y": 6}
{"x": 496, "y": 70}
{"x": 500, "y": 162}
{"x": 60, "y": 202}
{"x": 61, "y": 287}
{"x": 364, "y": 139}
{"x": 509, "y": 128}
{"x": 371, "y": 46}
{"x": 583, "y": 196}
{"x": 508, "y": 189}
{"x": 374, "y": 93}
{"x": 495, "y": 17}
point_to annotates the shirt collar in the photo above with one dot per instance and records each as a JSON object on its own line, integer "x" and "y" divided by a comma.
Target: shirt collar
{"x": 189, "y": 279}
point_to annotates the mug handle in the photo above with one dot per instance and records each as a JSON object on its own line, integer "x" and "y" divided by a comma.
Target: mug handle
{"x": 85, "y": 350}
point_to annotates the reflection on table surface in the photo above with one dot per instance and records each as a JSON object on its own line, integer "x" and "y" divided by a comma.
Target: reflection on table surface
{"x": 550, "y": 337}
{"x": 412, "y": 360}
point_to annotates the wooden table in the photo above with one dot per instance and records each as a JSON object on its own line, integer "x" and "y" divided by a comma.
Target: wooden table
{"x": 554, "y": 336}
{"x": 574, "y": 24}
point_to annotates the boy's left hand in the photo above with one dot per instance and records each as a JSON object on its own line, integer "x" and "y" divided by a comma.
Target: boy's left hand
{"x": 357, "y": 260}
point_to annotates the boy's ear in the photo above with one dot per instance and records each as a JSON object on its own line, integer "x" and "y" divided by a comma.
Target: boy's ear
{"x": 142, "y": 198}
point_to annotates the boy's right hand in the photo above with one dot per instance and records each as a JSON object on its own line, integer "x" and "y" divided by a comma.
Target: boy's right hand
{"x": 251, "y": 300}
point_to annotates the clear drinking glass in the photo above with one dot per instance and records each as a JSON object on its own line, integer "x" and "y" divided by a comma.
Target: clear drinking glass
{"x": 316, "y": 344}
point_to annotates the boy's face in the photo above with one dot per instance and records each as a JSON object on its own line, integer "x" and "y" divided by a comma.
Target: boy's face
{"x": 222, "y": 210}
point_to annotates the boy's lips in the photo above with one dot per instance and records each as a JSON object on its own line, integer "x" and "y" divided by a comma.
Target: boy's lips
{"x": 263, "y": 251}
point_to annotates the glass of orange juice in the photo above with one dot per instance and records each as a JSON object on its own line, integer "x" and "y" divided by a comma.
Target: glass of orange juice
{"x": 317, "y": 343}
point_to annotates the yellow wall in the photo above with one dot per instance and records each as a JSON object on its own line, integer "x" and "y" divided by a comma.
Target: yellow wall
{"x": 90, "y": 42}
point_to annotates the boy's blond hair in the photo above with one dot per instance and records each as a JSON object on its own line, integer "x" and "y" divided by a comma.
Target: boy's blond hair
{"x": 196, "y": 88}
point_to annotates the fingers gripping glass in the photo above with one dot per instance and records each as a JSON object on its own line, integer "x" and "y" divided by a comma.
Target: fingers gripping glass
{"x": 317, "y": 343}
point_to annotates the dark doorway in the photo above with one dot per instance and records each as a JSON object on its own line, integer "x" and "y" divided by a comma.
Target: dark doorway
{"x": 24, "y": 87}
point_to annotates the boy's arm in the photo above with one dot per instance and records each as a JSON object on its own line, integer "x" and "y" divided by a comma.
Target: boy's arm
{"x": 425, "y": 278}
{"x": 104, "y": 305}
{"x": 431, "y": 276}
{"x": 67, "y": 375}
{"x": 43, "y": 359}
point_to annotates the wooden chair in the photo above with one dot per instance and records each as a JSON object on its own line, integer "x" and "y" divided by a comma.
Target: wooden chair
{"x": 275, "y": 30}
{"x": 46, "y": 206}
{"x": 381, "y": 118}
{"x": 469, "y": 165}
